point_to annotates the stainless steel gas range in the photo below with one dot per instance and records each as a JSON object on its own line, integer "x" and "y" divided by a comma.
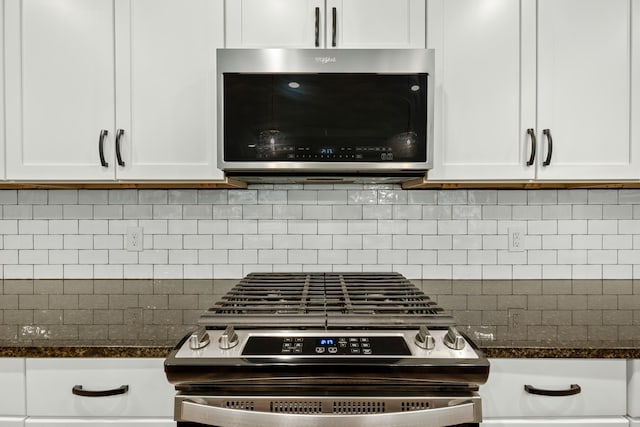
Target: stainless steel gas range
{"x": 326, "y": 349}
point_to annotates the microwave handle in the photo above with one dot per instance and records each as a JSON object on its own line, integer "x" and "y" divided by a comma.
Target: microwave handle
{"x": 457, "y": 413}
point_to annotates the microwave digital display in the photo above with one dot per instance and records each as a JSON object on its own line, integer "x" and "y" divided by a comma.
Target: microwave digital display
{"x": 325, "y": 117}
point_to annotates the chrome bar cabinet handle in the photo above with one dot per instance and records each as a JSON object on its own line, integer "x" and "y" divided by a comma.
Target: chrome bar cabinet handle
{"x": 103, "y": 136}
{"x": 532, "y": 136}
{"x": 458, "y": 413}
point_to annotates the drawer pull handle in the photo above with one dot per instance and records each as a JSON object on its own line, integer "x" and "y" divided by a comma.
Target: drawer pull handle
{"x": 79, "y": 391}
{"x": 573, "y": 389}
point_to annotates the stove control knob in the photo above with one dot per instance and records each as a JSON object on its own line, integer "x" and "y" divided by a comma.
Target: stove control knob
{"x": 454, "y": 339}
{"x": 199, "y": 339}
{"x": 424, "y": 339}
{"x": 228, "y": 339}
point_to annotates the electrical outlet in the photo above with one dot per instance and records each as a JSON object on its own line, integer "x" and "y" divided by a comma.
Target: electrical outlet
{"x": 516, "y": 239}
{"x": 134, "y": 238}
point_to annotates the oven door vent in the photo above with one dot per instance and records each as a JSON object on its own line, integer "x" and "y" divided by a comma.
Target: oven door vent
{"x": 414, "y": 406}
{"x": 296, "y": 407}
{"x": 246, "y": 405}
{"x": 358, "y": 407}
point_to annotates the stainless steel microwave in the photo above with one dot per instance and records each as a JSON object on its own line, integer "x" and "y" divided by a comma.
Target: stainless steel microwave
{"x": 325, "y": 112}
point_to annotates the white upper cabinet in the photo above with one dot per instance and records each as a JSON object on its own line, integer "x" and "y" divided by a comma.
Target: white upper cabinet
{"x": 511, "y": 74}
{"x": 59, "y": 65}
{"x": 166, "y": 88}
{"x": 342, "y": 23}
{"x": 584, "y": 89}
{"x": 111, "y": 89}
{"x": 485, "y": 72}
{"x": 1, "y": 93}
{"x": 274, "y": 23}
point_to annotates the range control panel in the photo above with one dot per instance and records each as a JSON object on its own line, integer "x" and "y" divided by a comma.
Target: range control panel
{"x": 326, "y": 346}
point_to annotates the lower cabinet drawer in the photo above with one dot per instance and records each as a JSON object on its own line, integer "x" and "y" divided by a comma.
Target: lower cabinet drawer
{"x": 559, "y": 422}
{"x": 602, "y": 383}
{"x": 12, "y": 379}
{"x": 88, "y": 422}
{"x": 633, "y": 399}
{"x": 125, "y": 388}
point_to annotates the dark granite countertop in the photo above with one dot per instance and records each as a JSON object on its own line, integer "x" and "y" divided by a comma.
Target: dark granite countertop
{"x": 146, "y": 318}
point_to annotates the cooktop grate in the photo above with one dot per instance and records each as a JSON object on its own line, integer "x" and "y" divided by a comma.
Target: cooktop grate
{"x": 294, "y": 300}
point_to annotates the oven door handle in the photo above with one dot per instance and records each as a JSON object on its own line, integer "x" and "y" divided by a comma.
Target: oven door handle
{"x": 458, "y": 413}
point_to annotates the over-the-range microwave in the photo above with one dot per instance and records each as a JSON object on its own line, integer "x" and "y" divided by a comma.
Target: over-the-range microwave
{"x": 325, "y": 115}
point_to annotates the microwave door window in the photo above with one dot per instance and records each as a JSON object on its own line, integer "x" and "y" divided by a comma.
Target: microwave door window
{"x": 325, "y": 117}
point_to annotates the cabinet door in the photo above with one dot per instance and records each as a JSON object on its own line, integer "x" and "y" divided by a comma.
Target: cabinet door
{"x": 584, "y": 89}
{"x": 2, "y": 93}
{"x": 59, "y": 65}
{"x": 274, "y": 23}
{"x": 13, "y": 381}
{"x": 485, "y": 88}
{"x": 375, "y": 24}
{"x": 166, "y": 88}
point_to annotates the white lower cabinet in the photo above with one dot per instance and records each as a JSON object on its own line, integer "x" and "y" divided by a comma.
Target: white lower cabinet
{"x": 11, "y": 421}
{"x": 84, "y": 392}
{"x": 12, "y": 403}
{"x": 633, "y": 396}
{"x": 599, "y": 395}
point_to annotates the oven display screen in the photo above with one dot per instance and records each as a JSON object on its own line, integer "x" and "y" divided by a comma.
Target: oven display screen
{"x": 326, "y": 346}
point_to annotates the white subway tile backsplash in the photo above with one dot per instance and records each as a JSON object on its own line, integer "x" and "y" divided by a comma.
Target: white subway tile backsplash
{"x": 182, "y": 197}
{"x": 407, "y": 242}
{"x": 316, "y": 212}
{"x": 388, "y": 196}
{"x": 425, "y": 233}
{"x": 352, "y": 241}
{"x": 587, "y": 211}
{"x": 302, "y": 227}
{"x": 424, "y": 197}
{"x": 362, "y": 227}
{"x": 422, "y": 257}
{"x": 49, "y": 212}
{"x": 392, "y": 256}
{"x": 587, "y": 242}
{"x": 452, "y": 227}
{"x": 407, "y": 211}
{"x": 287, "y": 241}
{"x": 377, "y": 241}
{"x": 314, "y": 241}
{"x": 436, "y": 212}
{"x": 47, "y": 242}
{"x": 364, "y": 256}
{"x": 229, "y": 241}
{"x": 213, "y": 197}
{"x": 512, "y": 197}
{"x": 467, "y": 242}
{"x": 16, "y": 241}
{"x": 17, "y": 212}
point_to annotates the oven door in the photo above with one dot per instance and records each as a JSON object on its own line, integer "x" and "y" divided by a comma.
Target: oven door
{"x": 436, "y": 410}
